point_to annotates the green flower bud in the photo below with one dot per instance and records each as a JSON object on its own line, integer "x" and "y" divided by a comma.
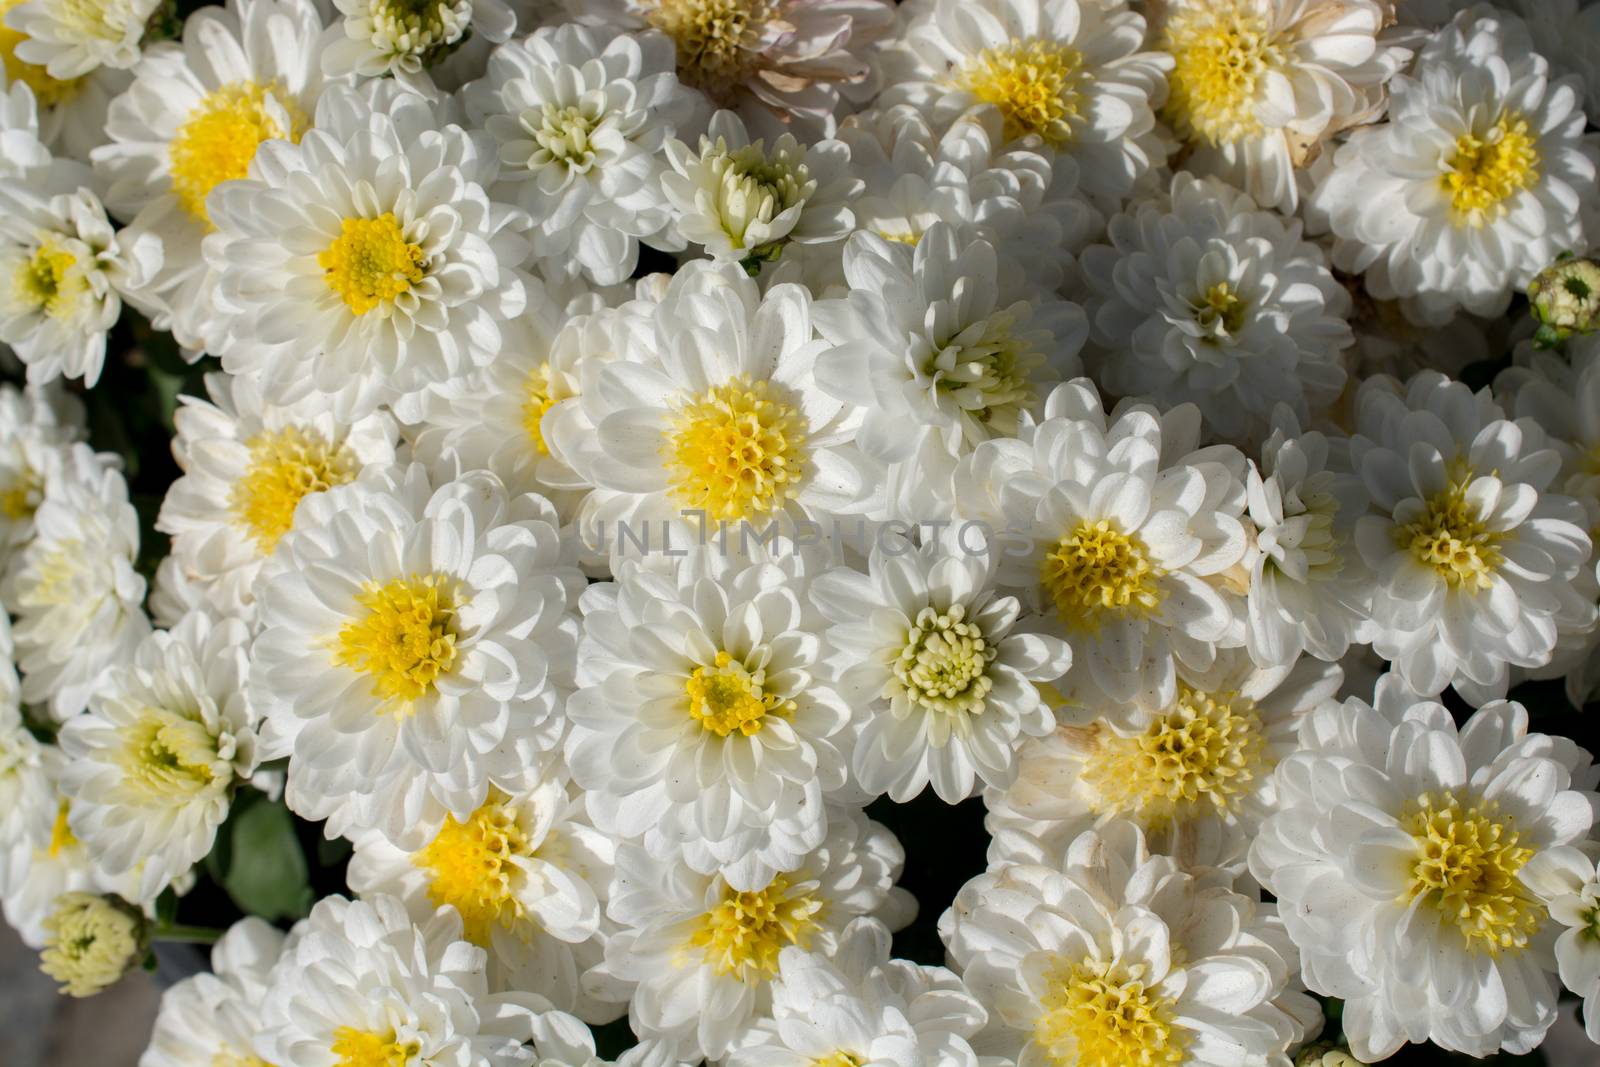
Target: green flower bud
{"x": 93, "y": 941}
{"x": 1566, "y": 299}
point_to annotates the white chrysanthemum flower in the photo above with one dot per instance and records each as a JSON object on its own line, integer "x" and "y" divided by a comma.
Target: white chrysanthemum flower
{"x": 528, "y": 874}
{"x": 1474, "y": 556}
{"x": 193, "y": 118}
{"x": 1203, "y": 297}
{"x": 699, "y": 956}
{"x": 73, "y": 590}
{"x": 580, "y": 121}
{"x": 1119, "y": 956}
{"x": 560, "y": 1040}
{"x": 38, "y": 426}
{"x": 942, "y": 680}
{"x": 358, "y": 983}
{"x": 71, "y": 38}
{"x": 1396, "y": 857}
{"x": 1309, "y": 589}
{"x": 713, "y": 416}
{"x": 1567, "y": 33}
{"x": 68, "y": 114}
{"x": 247, "y": 465}
{"x": 404, "y": 38}
{"x": 862, "y": 1007}
{"x": 211, "y": 1019}
{"x": 168, "y": 739}
{"x": 366, "y": 262}
{"x": 1123, "y": 529}
{"x": 1474, "y": 183}
{"x": 1071, "y": 73}
{"x": 29, "y": 770}
{"x": 744, "y": 201}
{"x": 1257, "y": 86}
{"x": 416, "y": 644}
{"x": 1566, "y": 881}
{"x": 1195, "y": 775}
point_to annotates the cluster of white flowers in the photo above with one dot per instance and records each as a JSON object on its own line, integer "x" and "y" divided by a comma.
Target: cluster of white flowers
{"x": 639, "y": 435}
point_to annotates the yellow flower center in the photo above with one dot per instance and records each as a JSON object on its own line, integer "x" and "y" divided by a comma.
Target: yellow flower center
{"x": 944, "y": 663}
{"x": 50, "y": 281}
{"x": 716, "y": 40}
{"x": 285, "y": 467}
{"x": 219, "y": 138}
{"x": 1485, "y": 172}
{"x": 728, "y": 698}
{"x": 474, "y": 869}
{"x": 1036, "y": 85}
{"x": 1220, "y": 53}
{"x": 988, "y": 372}
{"x": 371, "y": 263}
{"x": 168, "y": 756}
{"x": 737, "y": 451}
{"x": 743, "y": 934}
{"x": 1220, "y": 312}
{"x": 22, "y": 497}
{"x": 1091, "y": 1019}
{"x": 47, "y": 91}
{"x": 1098, "y": 569}
{"x": 1452, "y": 538}
{"x": 541, "y": 397}
{"x": 61, "y": 835}
{"x": 1204, "y": 755}
{"x": 838, "y": 1059}
{"x": 1467, "y": 863}
{"x": 407, "y": 639}
{"x": 363, "y": 1048}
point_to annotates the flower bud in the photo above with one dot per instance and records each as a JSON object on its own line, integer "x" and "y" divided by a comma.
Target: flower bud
{"x": 1566, "y": 299}
{"x": 93, "y": 941}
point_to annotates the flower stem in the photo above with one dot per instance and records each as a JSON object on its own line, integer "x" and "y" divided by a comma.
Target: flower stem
{"x": 184, "y": 935}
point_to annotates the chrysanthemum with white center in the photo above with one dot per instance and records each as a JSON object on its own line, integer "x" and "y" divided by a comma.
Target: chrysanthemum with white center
{"x": 942, "y": 679}
{"x": 403, "y": 39}
{"x": 193, "y": 118}
{"x": 1257, "y": 86}
{"x": 1195, "y": 775}
{"x": 247, "y": 465}
{"x": 73, "y": 591}
{"x": 527, "y": 872}
{"x": 1397, "y": 856}
{"x": 366, "y": 262}
{"x": 168, "y": 739}
{"x": 1069, "y": 73}
{"x": 698, "y": 956}
{"x": 1566, "y": 881}
{"x": 1474, "y": 556}
{"x": 712, "y": 420}
{"x": 1202, "y": 297}
{"x": 211, "y": 1019}
{"x": 71, "y": 38}
{"x": 745, "y": 201}
{"x": 360, "y": 986}
{"x": 1474, "y": 183}
{"x": 1122, "y": 530}
{"x": 1117, "y": 956}
{"x": 38, "y": 426}
{"x": 580, "y": 121}
{"x": 401, "y": 624}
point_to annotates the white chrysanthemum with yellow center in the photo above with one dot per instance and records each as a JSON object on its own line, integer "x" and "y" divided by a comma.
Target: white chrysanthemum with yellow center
{"x": 211, "y": 1019}
{"x": 71, "y": 38}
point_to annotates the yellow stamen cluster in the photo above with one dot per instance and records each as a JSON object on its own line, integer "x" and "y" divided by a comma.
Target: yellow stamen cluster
{"x": 285, "y": 467}
{"x": 371, "y": 263}
{"x": 1484, "y": 172}
{"x": 1220, "y": 53}
{"x": 170, "y": 756}
{"x": 50, "y": 281}
{"x": 61, "y": 835}
{"x": 944, "y": 663}
{"x": 473, "y": 868}
{"x": 407, "y": 639}
{"x": 540, "y": 399}
{"x": 737, "y": 452}
{"x": 717, "y": 40}
{"x": 1220, "y": 312}
{"x": 1036, "y": 85}
{"x": 728, "y": 698}
{"x": 838, "y": 1059}
{"x": 22, "y": 497}
{"x": 47, "y": 91}
{"x": 1467, "y": 864}
{"x": 1451, "y": 537}
{"x": 1092, "y": 1019}
{"x": 1097, "y": 570}
{"x": 219, "y": 138}
{"x": 743, "y": 934}
{"x": 363, "y": 1048}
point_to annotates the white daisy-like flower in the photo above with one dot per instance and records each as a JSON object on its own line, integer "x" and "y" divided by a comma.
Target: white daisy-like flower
{"x": 360, "y": 984}
{"x": 528, "y": 874}
{"x": 1071, "y": 73}
{"x": 70, "y": 113}
{"x": 38, "y": 426}
{"x": 29, "y": 770}
{"x": 1310, "y": 591}
{"x": 247, "y": 465}
{"x": 211, "y": 1019}
{"x": 742, "y": 200}
{"x": 73, "y": 590}
{"x": 71, "y": 38}
{"x": 1204, "y": 298}
{"x": 1119, "y": 956}
{"x": 1566, "y": 881}
{"x": 943, "y": 680}
{"x": 861, "y": 1007}
{"x": 1396, "y": 857}
{"x": 704, "y": 722}
{"x": 580, "y": 121}
{"x": 415, "y": 647}
{"x": 1473, "y": 184}
{"x": 365, "y": 262}
{"x": 1195, "y": 776}
{"x": 1474, "y": 556}
{"x": 404, "y": 38}
{"x": 1257, "y": 86}
{"x": 699, "y": 956}
{"x": 169, "y": 737}
{"x": 1122, "y": 529}
{"x": 197, "y": 111}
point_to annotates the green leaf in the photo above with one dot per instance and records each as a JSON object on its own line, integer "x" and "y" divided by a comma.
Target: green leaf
{"x": 261, "y": 866}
